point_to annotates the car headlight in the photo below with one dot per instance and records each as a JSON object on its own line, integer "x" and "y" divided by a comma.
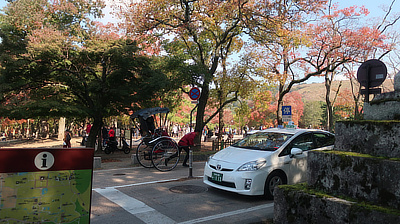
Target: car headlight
{"x": 210, "y": 157}
{"x": 253, "y": 165}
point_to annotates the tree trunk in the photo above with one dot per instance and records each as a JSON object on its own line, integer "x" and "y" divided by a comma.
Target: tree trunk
{"x": 329, "y": 109}
{"x": 220, "y": 125}
{"x": 61, "y": 128}
{"x": 94, "y": 131}
{"x": 200, "y": 112}
{"x": 280, "y": 104}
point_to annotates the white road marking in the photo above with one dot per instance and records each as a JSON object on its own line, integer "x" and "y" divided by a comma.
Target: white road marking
{"x": 134, "y": 206}
{"x": 152, "y": 216}
{"x": 226, "y": 214}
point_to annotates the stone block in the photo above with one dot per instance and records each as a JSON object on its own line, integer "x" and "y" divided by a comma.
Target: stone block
{"x": 292, "y": 205}
{"x": 385, "y": 106}
{"x": 377, "y": 138}
{"x": 361, "y": 177}
{"x": 96, "y": 162}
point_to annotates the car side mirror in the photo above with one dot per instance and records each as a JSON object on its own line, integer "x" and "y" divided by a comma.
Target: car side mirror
{"x": 295, "y": 152}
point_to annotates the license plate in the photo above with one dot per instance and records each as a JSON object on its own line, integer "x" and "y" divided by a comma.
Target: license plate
{"x": 216, "y": 177}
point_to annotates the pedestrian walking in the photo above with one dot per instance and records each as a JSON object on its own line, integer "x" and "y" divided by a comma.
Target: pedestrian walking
{"x": 175, "y": 131}
{"x": 67, "y": 139}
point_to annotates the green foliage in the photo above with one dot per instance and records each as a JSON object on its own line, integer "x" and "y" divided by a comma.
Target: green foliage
{"x": 312, "y": 114}
{"x": 324, "y": 118}
{"x": 87, "y": 71}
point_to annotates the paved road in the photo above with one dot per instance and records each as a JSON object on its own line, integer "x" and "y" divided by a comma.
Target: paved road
{"x": 139, "y": 195}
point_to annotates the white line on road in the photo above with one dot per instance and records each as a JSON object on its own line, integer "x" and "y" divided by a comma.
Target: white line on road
{"x": 226, "y": 214}
{"x": 144, "y": 183}
{"x": 152, "y": 216}
{"x": 134, "y": 206}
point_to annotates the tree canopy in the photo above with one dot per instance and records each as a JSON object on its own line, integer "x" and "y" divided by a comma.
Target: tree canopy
{"x": 70, "y": 66}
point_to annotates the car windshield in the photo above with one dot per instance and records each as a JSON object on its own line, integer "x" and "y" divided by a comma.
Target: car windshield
{"x": 266, "y": 141}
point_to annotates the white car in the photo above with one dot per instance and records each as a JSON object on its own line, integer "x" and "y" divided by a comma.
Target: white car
{"x": 261, "y": 161}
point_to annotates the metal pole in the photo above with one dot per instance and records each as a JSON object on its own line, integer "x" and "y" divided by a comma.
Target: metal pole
{"x": 131, "y": 139}
{"x": 190, "y": 163}
{"x": 190, "y": 150}
{"x": 191, "y": 112}
{"x": 367, "y": 85}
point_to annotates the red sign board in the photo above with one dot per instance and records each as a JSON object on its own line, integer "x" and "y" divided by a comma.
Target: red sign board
{"x": 28, "y": 159}
{"x": 45, "y": 185}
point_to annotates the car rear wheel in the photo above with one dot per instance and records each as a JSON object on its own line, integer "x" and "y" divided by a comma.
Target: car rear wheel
{"x": 273, "y": 180}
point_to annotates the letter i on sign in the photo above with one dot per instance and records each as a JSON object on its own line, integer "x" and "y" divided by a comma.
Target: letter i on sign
{"x": 44, "y": 160}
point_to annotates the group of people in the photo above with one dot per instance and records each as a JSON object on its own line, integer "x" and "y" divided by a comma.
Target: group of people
{"x": 107, "y": 134}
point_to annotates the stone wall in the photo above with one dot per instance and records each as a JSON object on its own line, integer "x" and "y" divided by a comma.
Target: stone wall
{"x": 292, "y": 205}
{"x": 363, "y": 178}
{"x": 384, "y": 106}
{"x": 377, "y": 138}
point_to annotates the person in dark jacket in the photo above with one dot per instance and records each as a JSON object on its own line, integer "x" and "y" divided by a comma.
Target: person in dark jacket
{"x": 104, "y": 134}
{"x": 67, "y": 139}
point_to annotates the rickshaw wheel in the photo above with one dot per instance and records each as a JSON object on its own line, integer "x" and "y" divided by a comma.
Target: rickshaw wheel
{"x": 165, "y": 155}
{"x": 143, "y": 155}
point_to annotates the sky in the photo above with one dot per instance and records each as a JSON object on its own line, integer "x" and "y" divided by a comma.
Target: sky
{"x": 374, "y": 6}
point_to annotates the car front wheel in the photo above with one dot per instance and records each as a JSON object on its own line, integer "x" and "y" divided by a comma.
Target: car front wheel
{"x": 273, "y": 180}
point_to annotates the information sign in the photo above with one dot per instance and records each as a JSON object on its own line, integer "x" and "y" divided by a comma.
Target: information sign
{"x": 46, "y": 185}
{"x": 286, "y": 113}
{"x": 287, "y": 118}
{"x": 286, "y": 110}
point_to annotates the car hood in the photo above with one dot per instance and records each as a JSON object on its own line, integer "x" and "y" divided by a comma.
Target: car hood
{"x": 235, "y": 155}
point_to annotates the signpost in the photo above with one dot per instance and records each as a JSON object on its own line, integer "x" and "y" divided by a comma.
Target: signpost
{"x": 286, "y": 113}
{"x": 46, "y": 185}
{"x": 194, "y": 94}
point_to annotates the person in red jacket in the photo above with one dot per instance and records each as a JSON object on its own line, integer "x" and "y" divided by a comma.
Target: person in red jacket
{"x": 185, "y": 143}
{"x": 111, "y": 134}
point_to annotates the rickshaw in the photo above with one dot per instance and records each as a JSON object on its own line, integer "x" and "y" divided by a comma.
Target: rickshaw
{"x": 156, "y": 148}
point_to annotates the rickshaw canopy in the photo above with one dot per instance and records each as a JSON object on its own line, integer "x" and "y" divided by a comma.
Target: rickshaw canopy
{"x": 148, "y": 112}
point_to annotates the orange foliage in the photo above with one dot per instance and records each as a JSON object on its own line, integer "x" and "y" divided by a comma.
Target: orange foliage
{"x": 294, "y": 100}
{"x": 344, "y": 105}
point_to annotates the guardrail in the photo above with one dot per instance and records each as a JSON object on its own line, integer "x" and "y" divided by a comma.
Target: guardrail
{"x": 219, "y": 145}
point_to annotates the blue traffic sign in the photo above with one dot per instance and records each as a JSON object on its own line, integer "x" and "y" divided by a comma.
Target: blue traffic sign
{"x": 194, "y": 93}
{"x": 286, "y": 110}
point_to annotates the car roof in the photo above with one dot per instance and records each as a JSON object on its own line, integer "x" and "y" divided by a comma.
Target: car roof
{"x": 291, "y": 130}
{"x": 253, "y": 131}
